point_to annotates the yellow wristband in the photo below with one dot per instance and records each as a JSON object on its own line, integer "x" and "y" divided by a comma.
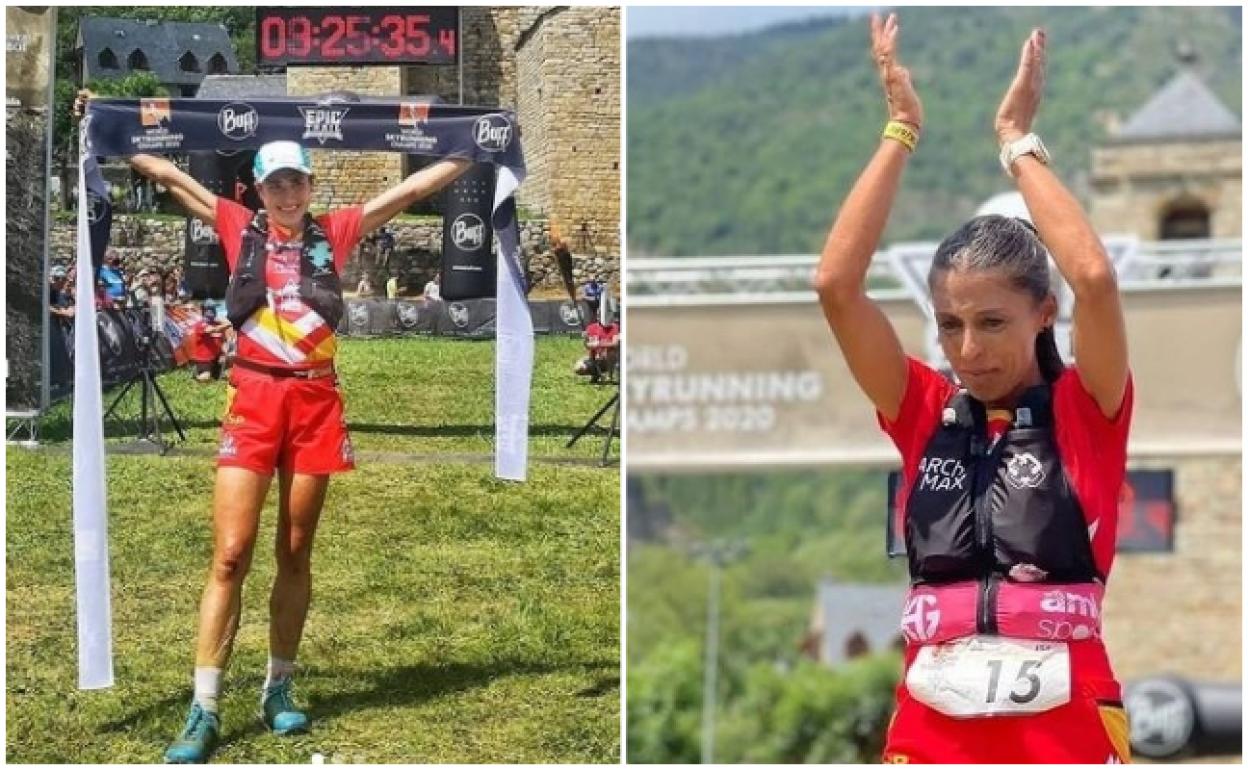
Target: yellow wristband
{"x": 901, "y": 132}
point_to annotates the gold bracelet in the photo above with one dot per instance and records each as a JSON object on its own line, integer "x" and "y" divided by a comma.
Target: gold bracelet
{"x": 908, "y": 137}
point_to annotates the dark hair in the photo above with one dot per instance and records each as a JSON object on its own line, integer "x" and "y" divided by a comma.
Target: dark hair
{"x": 994, "y": 242}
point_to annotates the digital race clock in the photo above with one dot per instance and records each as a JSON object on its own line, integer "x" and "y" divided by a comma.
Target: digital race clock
{"x": 369, "y": 35}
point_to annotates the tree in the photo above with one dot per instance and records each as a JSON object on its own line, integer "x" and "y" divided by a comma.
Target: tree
{"x": 665, "y": 705}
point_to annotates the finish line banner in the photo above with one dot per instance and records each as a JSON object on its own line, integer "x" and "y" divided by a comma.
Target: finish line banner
{"x": 121, "y": 127}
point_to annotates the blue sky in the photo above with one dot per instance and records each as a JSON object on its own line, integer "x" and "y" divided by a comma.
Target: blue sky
{"x": 709, "y": 20}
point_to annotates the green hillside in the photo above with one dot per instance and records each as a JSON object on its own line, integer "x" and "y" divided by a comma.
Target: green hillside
{"x": 747, "y": 144}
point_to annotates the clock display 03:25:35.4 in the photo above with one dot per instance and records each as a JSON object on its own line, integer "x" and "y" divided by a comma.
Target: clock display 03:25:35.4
{"x": 360, "y": 36}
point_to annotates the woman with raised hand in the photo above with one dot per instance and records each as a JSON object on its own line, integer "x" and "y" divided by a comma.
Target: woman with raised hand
{"x": 284, "y": 411}
{"x": 1011, "y": 474}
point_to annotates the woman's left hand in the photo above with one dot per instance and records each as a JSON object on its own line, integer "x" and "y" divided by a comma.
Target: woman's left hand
{"x": 1022, "y": 99}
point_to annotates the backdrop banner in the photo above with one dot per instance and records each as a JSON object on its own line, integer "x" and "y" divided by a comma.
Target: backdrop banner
{"x": 225, "y": 173}
{"x": 120, "y": 332}
{"x": 467, "y": 261}
{"x": 121, "y": 127}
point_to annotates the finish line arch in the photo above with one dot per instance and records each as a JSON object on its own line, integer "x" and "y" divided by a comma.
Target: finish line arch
{"x": 122, "y": 127}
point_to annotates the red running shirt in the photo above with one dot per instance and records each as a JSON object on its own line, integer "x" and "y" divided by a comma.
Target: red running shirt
{"x": 287, "y": 332}
{"x": 1093, "y": 448}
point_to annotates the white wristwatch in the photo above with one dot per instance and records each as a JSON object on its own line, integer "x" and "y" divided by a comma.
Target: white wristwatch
{"x": 1028, "y": 145}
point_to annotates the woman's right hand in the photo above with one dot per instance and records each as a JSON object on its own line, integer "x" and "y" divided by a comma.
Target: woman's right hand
{"x": 80, "y": 103}
{"x": 903, "y": 100}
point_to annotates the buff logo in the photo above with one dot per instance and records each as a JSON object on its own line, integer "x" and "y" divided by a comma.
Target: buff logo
{"x": 569, "y": 315}
{"x": 323, "y": 123}
{"x": 359, "y": 314}
{"x": 468, "y": 232}
{"x": 492, "y": 133}
{"x": 202, "y": 234}
{"x": 238, "y": 121}
{"x": 939, "y": 474}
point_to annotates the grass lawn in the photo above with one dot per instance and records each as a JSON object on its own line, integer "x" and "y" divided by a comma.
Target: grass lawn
{"x": 455, "y": 618}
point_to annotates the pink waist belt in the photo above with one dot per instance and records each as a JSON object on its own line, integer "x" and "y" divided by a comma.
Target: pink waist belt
{"x": 1060, "y": 612}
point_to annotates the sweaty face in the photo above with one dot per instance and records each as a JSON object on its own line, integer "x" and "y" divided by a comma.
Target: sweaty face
{"x": 286, "y": 195}
{"x": 987, "y": 329}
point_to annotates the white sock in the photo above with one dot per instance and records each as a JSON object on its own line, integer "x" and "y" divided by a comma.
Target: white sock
{"x": 278, "y": 669}
{"x": 207, "y": 687}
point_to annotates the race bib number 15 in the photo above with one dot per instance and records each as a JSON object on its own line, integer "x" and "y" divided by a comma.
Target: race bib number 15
{"x": 991, "y": 676}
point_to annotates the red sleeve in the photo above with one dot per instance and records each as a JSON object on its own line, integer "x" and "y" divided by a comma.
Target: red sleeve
{"x": 1093, "y": 448}
{"x": 342, "y": 228}
{"x": 927, "y": 391}
{"x": 232, "y": 218}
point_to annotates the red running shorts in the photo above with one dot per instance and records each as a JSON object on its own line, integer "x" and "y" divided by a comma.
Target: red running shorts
{"x": 1083, "y": 731}
{"x": 290, "y": 423}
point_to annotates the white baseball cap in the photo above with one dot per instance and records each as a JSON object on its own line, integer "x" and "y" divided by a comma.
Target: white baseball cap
{"x": 275, "y": 156}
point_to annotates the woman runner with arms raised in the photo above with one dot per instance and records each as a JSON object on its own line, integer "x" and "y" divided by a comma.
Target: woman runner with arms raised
{"x": 1010, "y": 478}
{"x": 284, "y": 412}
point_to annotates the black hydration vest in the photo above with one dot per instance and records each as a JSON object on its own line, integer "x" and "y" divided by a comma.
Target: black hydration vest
{"x": 319, "y": 286}
{"x": 975, "y": 510}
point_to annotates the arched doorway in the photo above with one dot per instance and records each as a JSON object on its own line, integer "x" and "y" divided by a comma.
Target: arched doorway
{"x": 1184, "y": 218}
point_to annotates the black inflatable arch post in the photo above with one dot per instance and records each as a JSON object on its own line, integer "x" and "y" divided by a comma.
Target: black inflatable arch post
{"x": 119, "y": 127}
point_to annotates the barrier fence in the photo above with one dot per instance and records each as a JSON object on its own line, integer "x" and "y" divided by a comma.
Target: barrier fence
{"x": 126, "y": 336}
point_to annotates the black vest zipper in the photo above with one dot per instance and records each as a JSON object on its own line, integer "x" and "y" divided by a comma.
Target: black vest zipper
{"x": 985, "y": 468}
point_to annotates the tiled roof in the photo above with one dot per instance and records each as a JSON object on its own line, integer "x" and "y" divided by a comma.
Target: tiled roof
{"x": 1184, "y": 108}
{"x": 162, "y": 44}
{"x": 242, "y": 86}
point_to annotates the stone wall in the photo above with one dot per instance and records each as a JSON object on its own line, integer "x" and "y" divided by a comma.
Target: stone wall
{"x": 488, "y": 67}
{"x": 1134, "y": 184}
{"x": 1180, "y": 612}
{"x": 158, "y": 244}
{"x": 568, "y": 103}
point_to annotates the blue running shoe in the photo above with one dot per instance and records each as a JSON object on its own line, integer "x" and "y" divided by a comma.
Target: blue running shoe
{"x": 280, "y": 714}
{"x": 198, "y": 740}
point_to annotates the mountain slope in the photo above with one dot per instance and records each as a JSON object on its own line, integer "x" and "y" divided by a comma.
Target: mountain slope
{"x": 747, "y": 144}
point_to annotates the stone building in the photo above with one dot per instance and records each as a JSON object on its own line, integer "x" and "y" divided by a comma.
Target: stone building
{"x": 853, "y": 619}
{"x": 1173, "y": 169}
{"x": 1180, "y": 612}
{"x": 558, "y": 67}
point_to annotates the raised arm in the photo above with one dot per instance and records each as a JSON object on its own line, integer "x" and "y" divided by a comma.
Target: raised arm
{"x": 1099, "y": 334}
{"x": 416, "y": 187}
{"x": 865, "y": 335}
{"x": 194, "y": 197}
